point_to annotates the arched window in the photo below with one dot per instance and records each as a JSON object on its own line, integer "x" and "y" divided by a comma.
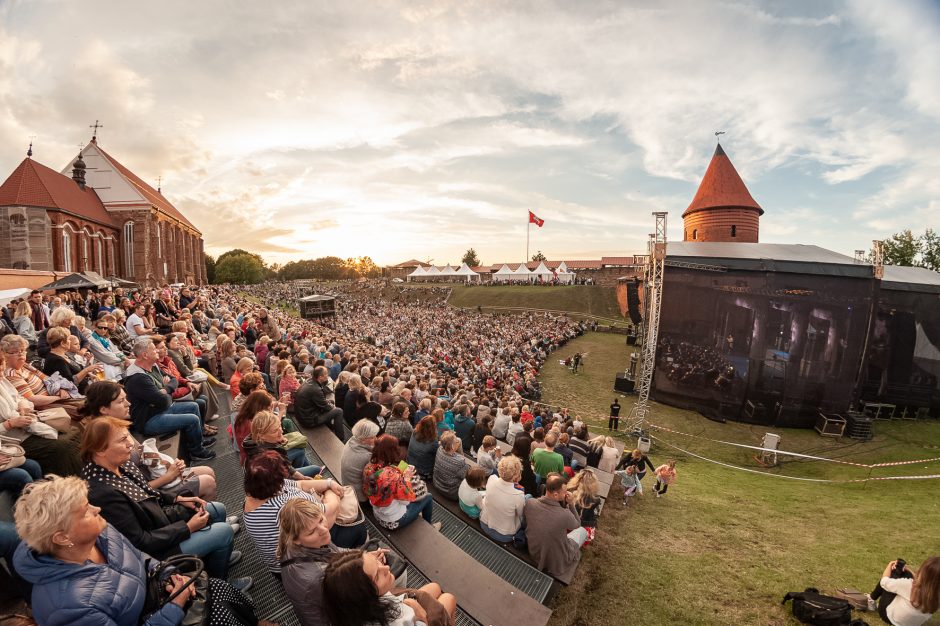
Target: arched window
{"x": 129, "y": 249}
{"x": 694, "y": 233}
{"x": 66, "y": 250}
{"x": 85, "y": 257}
{"x": 734, "y": 231}
{"x": 99, "y": 256}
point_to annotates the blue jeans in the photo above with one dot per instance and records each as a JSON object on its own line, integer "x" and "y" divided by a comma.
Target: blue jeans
{"x": 518, "y": 539}
{"x": 15, "y": 478}
{"x": 298, "y": 460}
{"x": 8, "y": 541}
{"x": 422, "y": 507}
{"x": 182, "y": 416}
{"x": 213, "y": 544}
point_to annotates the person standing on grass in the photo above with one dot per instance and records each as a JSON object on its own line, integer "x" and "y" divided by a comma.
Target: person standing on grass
{"x": 639, "y": 460}
{"x": 630, "y": 483}
{"x": 614, "y": 422}
{"x": 665, "y": 476}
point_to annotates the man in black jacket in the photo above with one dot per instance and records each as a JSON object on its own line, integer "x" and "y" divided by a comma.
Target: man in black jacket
{"x": 315, "y": 403}
{"x": 152, "y": 409}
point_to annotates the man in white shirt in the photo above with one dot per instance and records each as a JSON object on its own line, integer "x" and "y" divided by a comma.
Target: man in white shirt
{"x": 135, "y": 323}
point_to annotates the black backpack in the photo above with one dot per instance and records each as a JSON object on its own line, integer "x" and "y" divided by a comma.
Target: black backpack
{"x": 810, "y": 607}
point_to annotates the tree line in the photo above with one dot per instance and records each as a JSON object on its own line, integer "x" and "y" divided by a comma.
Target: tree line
{"x": 906, "y": 248}
{"x": 241, "y": 267}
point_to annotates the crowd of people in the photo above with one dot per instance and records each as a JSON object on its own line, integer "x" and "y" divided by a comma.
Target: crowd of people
{"x": 88, "y": 384}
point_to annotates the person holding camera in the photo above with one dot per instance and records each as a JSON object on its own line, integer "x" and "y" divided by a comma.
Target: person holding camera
{"x": 906, "y": 598}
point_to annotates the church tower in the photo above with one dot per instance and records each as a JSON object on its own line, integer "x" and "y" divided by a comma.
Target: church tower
{"x": 722, "y": 209}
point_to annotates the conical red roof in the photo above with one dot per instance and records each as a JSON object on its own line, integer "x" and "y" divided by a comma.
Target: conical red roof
{"x": 721, "y": 187}
{"x": 34, "y": 184}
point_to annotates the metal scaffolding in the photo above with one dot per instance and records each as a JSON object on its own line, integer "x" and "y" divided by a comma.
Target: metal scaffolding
{"x": 656, "y": 263}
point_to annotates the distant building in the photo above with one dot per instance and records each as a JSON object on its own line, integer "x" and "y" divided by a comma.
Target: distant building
{"x": 722, "y": 209}
{"x": 95, "y": 215}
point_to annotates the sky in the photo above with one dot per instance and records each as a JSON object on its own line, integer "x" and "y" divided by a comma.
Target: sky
{"x": 403, "y": 130}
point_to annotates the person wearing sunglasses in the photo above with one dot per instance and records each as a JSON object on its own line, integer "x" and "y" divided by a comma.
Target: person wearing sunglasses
{"x": 106, "y": 351}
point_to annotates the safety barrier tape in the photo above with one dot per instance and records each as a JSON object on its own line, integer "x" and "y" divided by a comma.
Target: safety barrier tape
{"x": 784, "y": 476}
{"x": 794, "y": 454}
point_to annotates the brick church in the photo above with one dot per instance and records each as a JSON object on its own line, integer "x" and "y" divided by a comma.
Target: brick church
{"x": 95, "y": 215}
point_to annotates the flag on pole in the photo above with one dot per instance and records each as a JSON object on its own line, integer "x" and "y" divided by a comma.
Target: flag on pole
{"x": 534, "y": 219}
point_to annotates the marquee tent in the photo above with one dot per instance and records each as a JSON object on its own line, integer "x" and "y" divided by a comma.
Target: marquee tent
{"x": 503, "y": 274}
{"x": 419, "y": 272}
{"x": 433, "y": 272}
{"x": 522, "y": 273}
{"x": 542, "y": 274}
{"x": 464, "y": 271}
{"x": 448, "y": 271}
{"x": 565, "y": 276}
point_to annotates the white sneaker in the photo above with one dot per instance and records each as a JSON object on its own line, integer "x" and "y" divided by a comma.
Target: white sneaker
{"x": 658, "y": 494}
{"x": 872, "y": 604}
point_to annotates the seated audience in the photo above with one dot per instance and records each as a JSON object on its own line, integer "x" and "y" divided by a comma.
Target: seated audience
{"x": 546, "y": 460}
{"x": 489, "y": 454}
{"x": 358, "y": 590}
{"x": 422, "y": 449}
{"x": 159, "y": 524}
{"x": 356, "y": 455}
{"x": 391, "y": 490}
{"x": 315, "y": 403}
{"x": 450, "y": 466}
{"x": 472, "y": 491}
{"x": 398, "y": 425}
{"x": 587, "y": 503}
{"x": 555, "y": 548}
{"x": 267, "y": 434}
{"x": 57, "y": 360}
{"x": 464, "y": 425}
{"x": 502, "y": 513}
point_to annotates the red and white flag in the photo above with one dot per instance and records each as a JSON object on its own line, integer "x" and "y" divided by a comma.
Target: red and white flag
{"x": 534, "y": 219}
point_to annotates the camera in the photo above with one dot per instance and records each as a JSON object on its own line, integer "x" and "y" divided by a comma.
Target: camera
{"x": 898, "y": 571}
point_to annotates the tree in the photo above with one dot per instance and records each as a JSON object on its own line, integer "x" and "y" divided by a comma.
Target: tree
{"x": 901, "y": 248}
{"x": 210, "y": 268}
{"x": 470, "y": 257}
{"x": 363, "y": 266}
{"x": 240, "y": 269}
{"x": 930, "y": 250}
{"x": 538, "y": 256}
{"x": 238, "y": 251}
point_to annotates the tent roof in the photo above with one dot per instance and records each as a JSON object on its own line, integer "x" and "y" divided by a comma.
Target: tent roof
{"x": 504, "y": 270}
{"x": 769, "y": 257}
{"x": 76, "y": 281}
{"x": 921, "y": 279}
{"x": 433, "y": 271}
{"x": 8, "y": 295}
{"x": 522, "y": 270}
{"x": 448, "y": 270}
{"x": 464, "y": 270}
{"x": 316, "y": 298}
{"x": 541, "y": 270}
{"x": 419, "y": 271}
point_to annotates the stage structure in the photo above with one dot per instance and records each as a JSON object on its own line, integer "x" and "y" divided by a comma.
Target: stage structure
{"x": 317, "y": 307}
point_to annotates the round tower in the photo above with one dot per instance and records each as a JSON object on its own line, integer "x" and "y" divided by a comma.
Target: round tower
{"x": 722, "y": 209}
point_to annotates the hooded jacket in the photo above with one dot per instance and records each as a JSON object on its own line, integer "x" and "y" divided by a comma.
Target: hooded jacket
{"x": 110, "y": 594}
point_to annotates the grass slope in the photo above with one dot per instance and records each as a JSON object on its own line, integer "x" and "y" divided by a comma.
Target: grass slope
{"x": 724, "y": 546}
{"x": 590, "y": 299}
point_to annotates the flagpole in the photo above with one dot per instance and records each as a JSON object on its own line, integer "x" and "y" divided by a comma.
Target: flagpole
{"x": 528, "y": 227}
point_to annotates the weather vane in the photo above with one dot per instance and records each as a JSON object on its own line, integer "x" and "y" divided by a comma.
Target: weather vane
{"x": 718, "y": 134}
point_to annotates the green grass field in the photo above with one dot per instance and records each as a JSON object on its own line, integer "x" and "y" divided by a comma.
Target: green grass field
{"x": 589, "y": 299}
{"x": 724, "y": 546}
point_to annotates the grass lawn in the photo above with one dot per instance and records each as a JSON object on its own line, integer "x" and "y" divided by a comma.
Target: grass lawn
{"x": 724, "y": 546}
{"x": 590, "y": 299}
{"x": 286, "y": 306}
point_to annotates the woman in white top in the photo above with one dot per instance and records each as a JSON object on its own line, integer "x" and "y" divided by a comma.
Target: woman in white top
{"x": 609, "y": 456}
{"x": 357, "y": 591}
{"x": 906, "y": 598}
{"x": 501, "y": 516}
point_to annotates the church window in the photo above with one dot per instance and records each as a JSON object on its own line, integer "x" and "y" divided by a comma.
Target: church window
{"x": 99, "y": 259}
{"x": 129, "y": 249}
{"x": 85, "y": 257}
{"x": 694, "y": 233}
{"x": 734, "y": 231}
{"x": 66, "y": 251}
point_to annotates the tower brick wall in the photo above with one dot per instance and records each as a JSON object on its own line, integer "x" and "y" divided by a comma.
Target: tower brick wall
{"x": 722, "y": 224}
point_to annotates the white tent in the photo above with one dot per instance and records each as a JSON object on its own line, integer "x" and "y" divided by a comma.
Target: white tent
{"x": 465, "y": 272}
{"x": 433, "y": 271}
{"x": 418, "y": 273}
{"x": 503, "y": 274}
{"x": 522, "y": 273}
{"x": 565, "y": 276}
{"x": 7, "y": 295}
{"x": 542, "y": 273}
{"x": 448, "y": 271}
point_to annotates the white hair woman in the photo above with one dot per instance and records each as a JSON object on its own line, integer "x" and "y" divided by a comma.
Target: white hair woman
{"x": 83, "y": 571}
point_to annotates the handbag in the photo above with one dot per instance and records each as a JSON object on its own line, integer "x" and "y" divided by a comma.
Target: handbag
{"x": 57, "y": 417}
{"x": 349, "y": 513}
{"x": 419, "y": 487}
{"x": 12, "y": 449}
{"x": 295, "y": 440}
{"x": 197, "y": 609}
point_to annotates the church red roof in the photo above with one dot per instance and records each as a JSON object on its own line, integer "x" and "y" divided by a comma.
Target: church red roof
{"x": 721, "y": 187}
{"x": 152, "y": 195}
{"x": 34, "y": 184}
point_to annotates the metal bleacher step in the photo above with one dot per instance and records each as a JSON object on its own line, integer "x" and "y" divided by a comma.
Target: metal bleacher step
{"x": 513, "y": 570}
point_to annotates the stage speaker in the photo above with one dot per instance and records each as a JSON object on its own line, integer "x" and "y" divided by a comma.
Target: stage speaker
{"x": 633, "y": 301}
{"x": 624, "y": 384}
{"x": 631, "y": 340}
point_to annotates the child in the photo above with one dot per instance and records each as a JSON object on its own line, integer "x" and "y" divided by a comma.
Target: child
{"x": 583, "y": 488}
{"x": 489, "y": 454}
{"x": 631, "y": 486}
{"x": 665, "y": 476}
{"x": 471, "y": 492}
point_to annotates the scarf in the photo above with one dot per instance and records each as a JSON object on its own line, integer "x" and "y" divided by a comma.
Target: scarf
{"x": 104, "y": 342}
{"x": 131, "y": 482}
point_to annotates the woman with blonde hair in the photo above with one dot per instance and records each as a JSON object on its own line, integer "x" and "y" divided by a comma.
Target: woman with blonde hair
{"x": 243, "y": 366}
{"x": 23, "y": 323}
{"x": 583, "y": 488}
{"x": 304, "y": 549}
{"x": 288, "y": 385}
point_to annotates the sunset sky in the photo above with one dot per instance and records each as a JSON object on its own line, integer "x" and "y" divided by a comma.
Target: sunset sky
{"x": 419, "y": 129}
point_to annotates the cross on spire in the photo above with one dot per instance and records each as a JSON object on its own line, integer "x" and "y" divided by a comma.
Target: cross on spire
{"x": 94, "y": 135}
{"x": 159, "y": 183}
